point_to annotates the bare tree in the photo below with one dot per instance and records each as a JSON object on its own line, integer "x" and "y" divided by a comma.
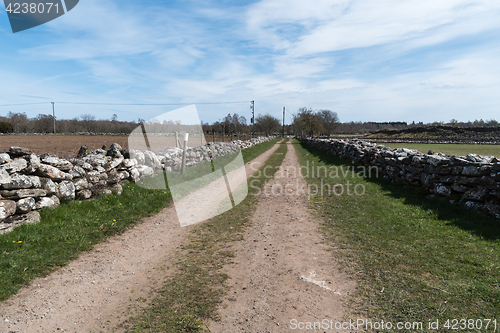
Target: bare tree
{"x": 307, "y": 122}
{"x": 44, "y": 123}
{"x": 87, "y": 120}
{"x": 329, "y": 120}
{"x": 267, "y": 124}
{"x": 21, "y": 122}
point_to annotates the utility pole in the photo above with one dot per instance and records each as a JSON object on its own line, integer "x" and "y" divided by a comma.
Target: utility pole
{"x": 283, "y": 122}
{"x": 54, "y": 116}
{"x": 252, "y": 106}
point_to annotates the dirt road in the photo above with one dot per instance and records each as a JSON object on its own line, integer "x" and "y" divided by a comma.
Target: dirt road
{"x": 94, "y": 292}
{"x": 283, "y": 273}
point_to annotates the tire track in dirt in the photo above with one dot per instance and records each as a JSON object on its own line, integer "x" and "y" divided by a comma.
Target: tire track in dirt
{"x": 283, "y": 270}
{"x": 95, "y": 292}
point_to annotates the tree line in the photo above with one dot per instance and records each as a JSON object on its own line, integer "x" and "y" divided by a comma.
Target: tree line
{"x": 235, "y": 124}
{"x": 230, "y": 125}
{"x": 371, "y": 127}
{"x": 305, "y": 122}
{"x": 43, "y": 123}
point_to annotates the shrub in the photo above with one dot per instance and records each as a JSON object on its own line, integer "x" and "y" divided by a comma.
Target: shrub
{"x": 6, "y": 127}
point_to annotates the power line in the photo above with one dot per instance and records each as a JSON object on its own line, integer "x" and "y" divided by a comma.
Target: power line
{"x": 147, "y": 104}
{"x": 25, "y": 104}
{"x": 125, "y": 104}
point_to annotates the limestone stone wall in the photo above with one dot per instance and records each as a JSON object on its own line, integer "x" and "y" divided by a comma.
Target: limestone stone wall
{"x": 472, "y": 180}
{"x": 29, "y": 182}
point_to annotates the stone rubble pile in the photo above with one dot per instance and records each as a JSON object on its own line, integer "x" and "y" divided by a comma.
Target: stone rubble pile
{"x": 29, "y": 182}
{"x": 472, "y": 180}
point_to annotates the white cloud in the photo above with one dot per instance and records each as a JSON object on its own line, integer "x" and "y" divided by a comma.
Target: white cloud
{"x": 339, "y": 25}
{"x": 278, "y": 23}
{"x": 289, "y": 67}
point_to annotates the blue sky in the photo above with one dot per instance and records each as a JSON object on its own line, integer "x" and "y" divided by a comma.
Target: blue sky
{"x": 368, "y": 60}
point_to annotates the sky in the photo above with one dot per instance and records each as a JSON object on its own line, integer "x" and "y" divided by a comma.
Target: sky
{"x": 367, "y": 60}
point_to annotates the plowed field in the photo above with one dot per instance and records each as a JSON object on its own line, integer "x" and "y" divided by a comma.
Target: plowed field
{"x": 68, "y": 145}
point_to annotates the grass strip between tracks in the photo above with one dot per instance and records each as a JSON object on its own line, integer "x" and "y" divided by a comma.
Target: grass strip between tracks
{"x": 416, "y": 258}
{"x": 195, "y": 289}
{"x": 64, "y": 232}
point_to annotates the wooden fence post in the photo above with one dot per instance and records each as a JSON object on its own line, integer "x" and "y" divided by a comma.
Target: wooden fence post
{"x": 183, "y": 165}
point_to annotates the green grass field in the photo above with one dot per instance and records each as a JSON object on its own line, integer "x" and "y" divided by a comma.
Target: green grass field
{"x": 415, "y": 258}
{"x": 449, "y": 149}
{"x": 65, "y": 231}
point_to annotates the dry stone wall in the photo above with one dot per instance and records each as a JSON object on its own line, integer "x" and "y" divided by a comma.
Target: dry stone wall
{"x": 472, "y": 180}
{"x": 29, "y": 182}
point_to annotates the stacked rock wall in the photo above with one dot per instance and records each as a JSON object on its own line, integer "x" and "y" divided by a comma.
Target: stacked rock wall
{"x": 471, "y": 180}
{"x": 29, "y": 182}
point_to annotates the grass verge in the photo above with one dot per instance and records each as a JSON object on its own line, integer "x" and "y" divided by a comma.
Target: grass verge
{"x": 30, "y": 251}
{"x": 193, "y": 292}
{"x": 64, "y": 232}
{"x": 416, "y": 258}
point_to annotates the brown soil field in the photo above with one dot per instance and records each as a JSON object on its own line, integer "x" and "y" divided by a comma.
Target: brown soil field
{"x": 67, "y": 145}
{"x": 61, "y": 145}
